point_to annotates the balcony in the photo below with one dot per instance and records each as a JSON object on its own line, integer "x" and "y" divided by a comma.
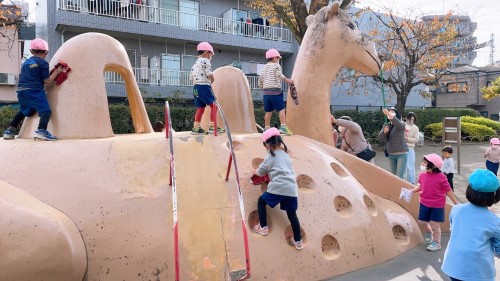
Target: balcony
{"x": 137, "y": 12}
{"x": 165, "y": 77}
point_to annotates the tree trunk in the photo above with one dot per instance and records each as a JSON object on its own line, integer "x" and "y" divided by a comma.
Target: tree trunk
{"x": 401, "y": 102}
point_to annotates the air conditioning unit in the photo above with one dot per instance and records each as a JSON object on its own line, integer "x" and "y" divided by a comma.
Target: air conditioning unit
{"x": 7, "y": 79}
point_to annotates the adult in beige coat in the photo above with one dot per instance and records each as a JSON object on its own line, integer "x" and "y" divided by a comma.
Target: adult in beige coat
{"x": 411, "y": 136}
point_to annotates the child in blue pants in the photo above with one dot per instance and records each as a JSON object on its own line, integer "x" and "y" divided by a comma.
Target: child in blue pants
{"x": 282, "y": 189}
{"x": 31, "y": 91}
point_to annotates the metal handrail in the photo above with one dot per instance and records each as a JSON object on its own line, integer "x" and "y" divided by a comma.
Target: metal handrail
{"x": 232, "y": 156}
{"x": 125, "y": 10}
{"x": 167, "y": 77}
{"x": 169, "y": 134}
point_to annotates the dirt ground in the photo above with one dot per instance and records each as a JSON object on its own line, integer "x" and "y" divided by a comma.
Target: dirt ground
{"x": 470, "y": 157}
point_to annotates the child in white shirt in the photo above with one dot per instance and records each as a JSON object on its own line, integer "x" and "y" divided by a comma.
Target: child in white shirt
{"x": 448, "y": 164}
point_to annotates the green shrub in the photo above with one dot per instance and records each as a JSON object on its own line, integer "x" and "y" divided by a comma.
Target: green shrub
{"x": 476, "y": 132}
{"x": 495, "y": 125}
{"x": 470, "y": 131}
{"x": 121, "y": 119}
{"x": 434, "y": 131}
{"x": 6, "y": 115}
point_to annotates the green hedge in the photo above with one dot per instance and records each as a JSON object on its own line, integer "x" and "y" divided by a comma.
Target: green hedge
{"x": 372, "y": 121}
{"x": 182, "y": 117}
{"x": 470, "y": 131}
{"x": 495, "y": 125}
{"x": 6, "y": 115}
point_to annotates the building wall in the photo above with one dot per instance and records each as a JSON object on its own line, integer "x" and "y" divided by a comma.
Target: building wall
{"x": 10, "y": 63}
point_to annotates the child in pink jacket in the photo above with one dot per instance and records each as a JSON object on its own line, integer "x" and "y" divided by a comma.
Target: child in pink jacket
{"x": 492, "y": 155}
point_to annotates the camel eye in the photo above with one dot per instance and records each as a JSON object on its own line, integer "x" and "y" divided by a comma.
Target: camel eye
{"x": 351, "y": 25}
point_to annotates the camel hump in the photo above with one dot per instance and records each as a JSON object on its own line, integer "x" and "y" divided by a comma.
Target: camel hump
{"x": 79, "y": 105}
{"x": 38, "y": 240}
{"x": 232, "y": 91}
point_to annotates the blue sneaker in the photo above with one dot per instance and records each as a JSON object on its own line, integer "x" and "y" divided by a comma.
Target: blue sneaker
{"x": 8, "y": 134}
{"x": 44, "y": 135}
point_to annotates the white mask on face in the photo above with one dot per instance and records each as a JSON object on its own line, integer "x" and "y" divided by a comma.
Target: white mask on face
{"x": 423, "y": 168}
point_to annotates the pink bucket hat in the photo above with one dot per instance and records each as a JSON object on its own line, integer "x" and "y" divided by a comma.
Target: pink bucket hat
{"x": 39, "y": 44}
{"x": 272, "y": 53}
{"x": 495, "y": 141}
{"x": 434, "y": 159}
{"x": 270, "y": 133}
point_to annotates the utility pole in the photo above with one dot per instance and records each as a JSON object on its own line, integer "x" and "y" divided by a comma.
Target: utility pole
{"x": 492, "y": 49}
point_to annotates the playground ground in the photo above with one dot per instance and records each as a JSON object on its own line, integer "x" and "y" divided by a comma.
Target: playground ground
{"x": 419, "y": 264}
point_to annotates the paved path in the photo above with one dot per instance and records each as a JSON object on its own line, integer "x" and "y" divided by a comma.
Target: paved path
{"x": 419, "y": 264}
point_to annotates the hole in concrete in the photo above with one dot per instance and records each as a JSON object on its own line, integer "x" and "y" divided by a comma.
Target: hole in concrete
{"x": 400, "y": 234}
{"x": 330, "y": 247}
{"x": 236, "y": 145}
{"x": 342, "y": 206}
{"x": 305, "y": 183}
{"x": 339, "y": 170}
{"x": 289, "y": 234}
{"x": 370, "y": 205}
{"x": 256, "y": 162}
{"x": 253, "y": 219}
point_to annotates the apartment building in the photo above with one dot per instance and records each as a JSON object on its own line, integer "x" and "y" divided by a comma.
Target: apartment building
{"x": 160, "y": 37}
{"x": 461, "y": 87}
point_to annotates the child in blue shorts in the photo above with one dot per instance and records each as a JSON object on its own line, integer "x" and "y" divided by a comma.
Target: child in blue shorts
{"x": 475, "y": 231}
{"x": 202, "y": 77}
{"x": 31, "y": 91}
{"x": 433, "y": 187}
{"x": 270, "y": 81}
{"x": 282, "y": 189}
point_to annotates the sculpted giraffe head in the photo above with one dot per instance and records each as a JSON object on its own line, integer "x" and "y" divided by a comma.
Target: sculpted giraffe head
{"x": 332, "y": 36}
{"x": 331, "y": 41}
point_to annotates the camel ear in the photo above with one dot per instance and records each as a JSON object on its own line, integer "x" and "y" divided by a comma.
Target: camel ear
{"x": 334, "y": 10}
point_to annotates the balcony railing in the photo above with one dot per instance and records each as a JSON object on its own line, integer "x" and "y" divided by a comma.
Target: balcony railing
{"x": 125, "y": 10}
{"x": 165, "y": 77}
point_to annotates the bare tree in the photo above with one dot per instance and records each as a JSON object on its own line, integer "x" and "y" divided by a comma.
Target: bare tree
{"x": 293, "y": 13}
{"x": 10, "y": 22}
{"x": 416, "y": 50}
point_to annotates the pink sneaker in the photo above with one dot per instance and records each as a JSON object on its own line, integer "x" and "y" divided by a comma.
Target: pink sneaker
{"x": 298, "y": 244}
{"x": 260, "y": 230}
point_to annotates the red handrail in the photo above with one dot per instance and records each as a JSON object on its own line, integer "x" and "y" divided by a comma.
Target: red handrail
{"x": 169, "y": 132}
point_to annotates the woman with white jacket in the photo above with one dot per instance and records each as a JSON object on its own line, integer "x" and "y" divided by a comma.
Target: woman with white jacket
{"x": 411, "y": 136}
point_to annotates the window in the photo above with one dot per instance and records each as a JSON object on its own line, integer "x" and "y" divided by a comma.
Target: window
{"x": 249, "y": 67}
{"x": 170, "y": 67}
{"x": 458, "y": 87}
{"x": 186, "y": 64}
{"x": 189, "y": 12}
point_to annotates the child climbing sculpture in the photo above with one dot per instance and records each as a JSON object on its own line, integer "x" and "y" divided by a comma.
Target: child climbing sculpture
{"x": 282, "y": 188}
{"x": 270, "y": 80}
{"x": 31, "y": 91}
{"x": 202, "y": 77}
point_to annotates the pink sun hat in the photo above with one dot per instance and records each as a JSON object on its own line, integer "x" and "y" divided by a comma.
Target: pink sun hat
{"x": 434, "y": 159}
{"x": 271, "y": 132}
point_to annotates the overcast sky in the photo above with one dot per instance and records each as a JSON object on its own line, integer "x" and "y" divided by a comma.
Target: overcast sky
{"x": 485, "y": 12}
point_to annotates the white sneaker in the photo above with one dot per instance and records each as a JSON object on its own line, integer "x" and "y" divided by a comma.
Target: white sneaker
{"x": 298, "y": 244}
{"x": 260, "y": 230}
